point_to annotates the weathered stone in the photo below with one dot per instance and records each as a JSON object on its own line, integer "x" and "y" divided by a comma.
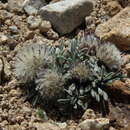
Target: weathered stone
{"x": 89, "y": 114}
{"x": 127, "y": 68}
{"x": 122, "y": 89}
{"x": 66, "y": 15}
{"x": 3, "y": 39}
{"x": 14, "y": 29}
{"x": 4, "y": 15}
{"x": 46, "y": 126}
{"x": 62, "y": 125}
{"x": 45, "y": 26}
{"x": 124, "y": 3}
{"x": 34, "y": 3}
{"x": 33, "y": 22}
{"x": 126, "y": 58}
{"x": 94, "y": 124}
{"x": 30, "y": 10}
{"x": 113, "y": 7}
{"x": 52, "y": 35}
{"x": 117, "y": 29}
{"x": 15, "y": 5}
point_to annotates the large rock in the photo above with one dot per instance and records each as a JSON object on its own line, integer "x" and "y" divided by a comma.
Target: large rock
{"x": 34, "y": 3}
{"x": 117, "y": 29}
{"x": 120, "y": 88}
{"x": 15, "y": 5}
{"x": 66, "y": 15}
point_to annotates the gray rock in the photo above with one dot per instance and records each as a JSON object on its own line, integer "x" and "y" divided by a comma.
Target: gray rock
{"x": 15, "y": 5}
{"x": 34, "y": 3}
{"x": 45, "y": 26}
{"x": 30, "y": 10}
{"x": 3, "y": 39}
{"x": 33, "y": 22}
{"x": 66, "y": 15}
{"x": 94, "y": 124}
{"x": 62, "y": 125}
{"x": 88, "y": 114}
{"x": 46, "y": 126}
{"x": 14, "y": 29}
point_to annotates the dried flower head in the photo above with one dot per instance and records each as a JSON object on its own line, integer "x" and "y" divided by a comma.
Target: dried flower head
{"x": 89, "y": 43}
{"x": 80, "y": 72}
{"x": 109, "y": 55}
{"x": 50, "y": 84}
{"x": 29, "y": 59}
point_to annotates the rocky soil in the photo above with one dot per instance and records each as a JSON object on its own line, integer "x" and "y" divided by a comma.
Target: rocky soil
{"x": 21, "y": 24}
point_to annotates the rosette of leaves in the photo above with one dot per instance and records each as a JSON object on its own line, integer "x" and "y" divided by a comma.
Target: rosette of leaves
{"x": 66, "y": 58}
{"x": 81, "y": 94}
{"x": 29, "y": 59}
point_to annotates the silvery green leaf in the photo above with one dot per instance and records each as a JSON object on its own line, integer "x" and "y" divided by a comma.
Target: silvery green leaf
{"x": 63, "y": 100}
{"x": 97, "y": 97}
{"x": 105, "y": 96}
{"x": 75, "y": 106}
{"x": 93, "y": 93}
{"x": 57, "y": 51}
{"x": 80, "y": 103}
{"x": 100, "y": 91}
{"x": 68, "y": 91}
{"x": 81, "y": 91}
{"x": 72, "y": 87}
{"x": 94, "y": 84}
{"x": 85, "y": 106}
{"x": 87, "y": 89}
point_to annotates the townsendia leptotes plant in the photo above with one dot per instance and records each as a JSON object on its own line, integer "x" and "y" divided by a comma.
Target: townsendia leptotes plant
{"x": 97, "y": 65}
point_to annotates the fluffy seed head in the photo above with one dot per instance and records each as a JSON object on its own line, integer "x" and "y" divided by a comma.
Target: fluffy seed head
{"x": 29, "y": 59}
{"x": 89, "y": 43}
{"x": 80, "y": 72}
{"x": 109, "y": 55}
{"x": 50, "y": 84}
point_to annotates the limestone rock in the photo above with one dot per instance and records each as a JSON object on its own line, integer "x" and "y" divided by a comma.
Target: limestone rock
{"x": 117, "y": 29}
{"x": 120, "y": 88}
{"x": 15, "y": 5}
{"x": 113, "y": 7}
{"x": 89, "y": 114}
{"x": 30, "y": 10}
{"x": 3, "y": 39}
{"x": 33, "y": 22}
{"x": 94, "y": 124}
{"x": 46, "y": 126}
{"x": 127, "y": 68}
{"x": 45, "y": 26}
{"x": 4, "y": 15}
{"x": 66, "y": 15}
{"x": 52, "y": 35}
{"x": 34, "y": 3}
